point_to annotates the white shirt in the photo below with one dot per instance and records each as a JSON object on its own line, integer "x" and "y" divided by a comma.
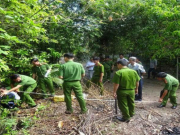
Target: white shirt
{"x": 137, "y": 67}
{"x": 16, "y": 96}
{"x": 89, "y": 63}
{"x": 122, "y": 59}
{"x": 153, "y": 63}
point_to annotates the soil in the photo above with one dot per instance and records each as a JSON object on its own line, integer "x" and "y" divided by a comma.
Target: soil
{"x": 101, "y": 117}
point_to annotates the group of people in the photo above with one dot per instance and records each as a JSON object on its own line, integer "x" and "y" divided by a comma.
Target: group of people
{"x": 127, "y": 83}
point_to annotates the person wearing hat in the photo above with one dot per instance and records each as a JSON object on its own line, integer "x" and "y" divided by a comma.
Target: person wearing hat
{"x": 25, "y": 84}
{"x": 169, "y": 91}
{"x": 41, "y": 71}
{"x": 71, "y": 72}
{"x": 108, "y": 67}
{"x": 126, "y": 82}
{"x": 97, "y": 75}
{"x": 141, "y": 71}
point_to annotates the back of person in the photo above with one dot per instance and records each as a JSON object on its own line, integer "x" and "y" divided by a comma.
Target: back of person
{"x": 127, "y": 78}
{"x": 73, "y": 71}
{"x": 171, "y": 80}
{"x": 26, "y": 80}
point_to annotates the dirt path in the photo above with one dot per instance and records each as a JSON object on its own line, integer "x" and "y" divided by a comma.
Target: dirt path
{"x": 149, "y": 120}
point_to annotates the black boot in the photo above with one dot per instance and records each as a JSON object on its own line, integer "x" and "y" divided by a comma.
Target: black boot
{"x": 174, "y": 107}
{"x": 160, "y": 106}
{"x": 123, "y": 120}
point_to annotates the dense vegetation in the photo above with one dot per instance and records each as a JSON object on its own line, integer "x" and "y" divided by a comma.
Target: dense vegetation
{"x": 48, "y": 28}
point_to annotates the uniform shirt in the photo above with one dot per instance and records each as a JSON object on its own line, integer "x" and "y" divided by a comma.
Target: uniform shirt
{"x": 123, "y": 59}
{"x": 98, "y": 69}
{"x": 107, "y": 65}
{"x": 89, "y": 63}
{"x": 171, "y": 81}
{"x": 138, "y": 68}
{"x": 126, "y": 78}
{"x": 41, "y": 70}
{"x": 153, "y": 63}
{"x": 26, "y": 81}
{"x": 71, "y": 71}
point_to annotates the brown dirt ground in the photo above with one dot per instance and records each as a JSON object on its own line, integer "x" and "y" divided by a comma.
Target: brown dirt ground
{"x": 149, "y": 120}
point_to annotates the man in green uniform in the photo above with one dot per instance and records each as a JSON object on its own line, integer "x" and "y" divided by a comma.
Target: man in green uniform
{"x": 72, "y": 72}
{"x": 125, "y": 82}
{"x": 108, "y": 67}
{"x": 27, "y": 84}
{"x": 169, "y": 91}
{"x": 42, "y": 72}
{"x": 97, "y": 75}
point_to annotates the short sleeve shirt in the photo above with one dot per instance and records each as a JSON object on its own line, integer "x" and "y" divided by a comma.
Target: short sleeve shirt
{"x": 138, "y": 68}
{"x": 71, "y": 71}
{"x": 126, "y": 78}
{"x": 107, "y": 65}
{"x": 89, "y": 63}
{"x": 98, "y": 69}
{"x": 26, "y": 80}
{"x": 171, "y": 81}
{"x": 40, "y": 70}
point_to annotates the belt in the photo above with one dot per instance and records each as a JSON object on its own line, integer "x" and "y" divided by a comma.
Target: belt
{"x": 126, "y": 89}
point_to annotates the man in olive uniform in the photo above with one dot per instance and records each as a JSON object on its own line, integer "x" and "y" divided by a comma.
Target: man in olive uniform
{"x": 108, "y": 67}
{"x": 126, "y": 82}
{"x": 44, "y": 79}
{"x": 26, "y": 83}
{"x": 72, "y": 72}
{"x": 98, "y": 75}
{"x": 169, "y": 91}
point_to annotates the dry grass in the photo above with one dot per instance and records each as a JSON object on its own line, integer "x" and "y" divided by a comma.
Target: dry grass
{"x": 100, "y": 119}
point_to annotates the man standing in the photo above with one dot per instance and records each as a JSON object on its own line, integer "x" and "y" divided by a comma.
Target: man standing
{"x": 90, "y": 65}
{"x": 121, "y": 57}
{"x": 153, "y": 66}
{"x": 169, "y": 91}
{"x": 97, "y": 75}
{"x": 71, "y": 72}
{"x": 42, "y": 72}
{"x": 27, "y": 84}
{"x": 141, "y": 71}
{"x": 108, "y": 67}
{"x": 126, "y": 82}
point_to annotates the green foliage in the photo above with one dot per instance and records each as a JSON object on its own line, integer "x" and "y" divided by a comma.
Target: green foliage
{"x": 55, "y": 74}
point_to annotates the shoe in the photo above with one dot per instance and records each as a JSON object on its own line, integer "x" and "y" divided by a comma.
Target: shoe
{"x": 174, "y": 107}
{"x": 84, "y": 112}
{"x": 160, "y": 106}
{"x": 123, "y": 120}
{"x": 68, "y": 112}
{"x": 138, "y": 99}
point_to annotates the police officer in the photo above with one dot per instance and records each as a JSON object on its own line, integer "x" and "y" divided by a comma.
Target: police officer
{"x": 71, "y": 72}
{"x": 41, "y": 71}
{"x": 97, "y": 75}
{"x": 26, "y": 84}
{"x": 126, "y": 82}
{"x": 108, "y": 67}
{"x": 169, "y": 91}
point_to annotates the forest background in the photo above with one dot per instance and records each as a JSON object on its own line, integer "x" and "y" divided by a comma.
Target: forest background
{"x": 47, "y": 29}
